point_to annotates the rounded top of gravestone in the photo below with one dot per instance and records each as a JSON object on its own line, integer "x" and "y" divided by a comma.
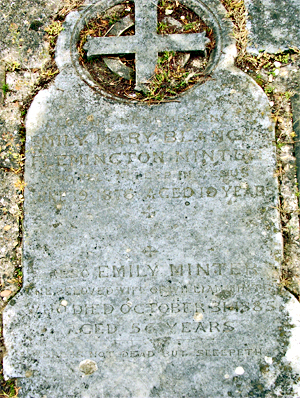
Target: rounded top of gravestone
{"x": 127, "y": 50}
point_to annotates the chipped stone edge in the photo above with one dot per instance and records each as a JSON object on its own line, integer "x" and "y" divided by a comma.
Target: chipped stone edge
{"x": 255, "y": 48}
{"x": 62, "y": 53}
{"x": 37, "y": 112}
{"x": 264, "y": 47}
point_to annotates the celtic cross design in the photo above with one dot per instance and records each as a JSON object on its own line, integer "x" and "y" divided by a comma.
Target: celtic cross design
{"x": 146, "y": 43}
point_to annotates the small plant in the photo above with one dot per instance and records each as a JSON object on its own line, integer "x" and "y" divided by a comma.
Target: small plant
{"x": 190, "y": 26}
{"x": 162, "y": 26}
{"x": 18, "y": 277}
{"x": 12, "y": 66}
{"x": 279, "y": 144}
{"x": 269, "y": 89}
{"x": 9, "y": 389}
{"x": 113, "y": 19}
{"x": 283, "y": 58}
{"x": 5, "y": 88}
{"x": 259, "y": 80}
{"x": 20, "y": 185}
{"x": 288, "y": 95}
{"x": 53, "y": 31}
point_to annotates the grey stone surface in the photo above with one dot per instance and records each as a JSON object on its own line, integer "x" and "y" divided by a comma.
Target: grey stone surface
{"x": 173, "y": 22}
{"x": 274, "y": 25}
{"x": 9, "y": 231}
{"x": 115, "y": 64}
{"x": 152, "y": 242}
{"x": 22, "y": 31}
{"x": 9, "y": 143}
{"x": 118, "y": 67}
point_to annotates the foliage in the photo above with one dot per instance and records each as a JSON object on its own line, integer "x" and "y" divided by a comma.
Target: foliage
{"x": 53, "y": 31}
{"x": 169, "y": 78}
{"x": 8, "y": 388}
{"x": 12, "y": 66}
{"x": 5, "y": 88}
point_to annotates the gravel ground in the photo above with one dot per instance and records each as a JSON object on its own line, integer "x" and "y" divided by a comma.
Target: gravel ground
{"x": 23, "y": 53}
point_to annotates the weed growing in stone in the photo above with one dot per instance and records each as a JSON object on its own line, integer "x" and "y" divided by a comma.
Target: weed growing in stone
{"x": 12, "y": 66}
{"x": 169, "y": 79}
{"x": 53, "y": 31}
{"x": 5, "y": 89}
{"x": 8, "y": 388}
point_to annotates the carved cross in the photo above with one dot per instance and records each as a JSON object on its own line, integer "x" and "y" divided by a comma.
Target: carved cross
{"x": 146, "y": 43}
{"x": 149, "y": 251}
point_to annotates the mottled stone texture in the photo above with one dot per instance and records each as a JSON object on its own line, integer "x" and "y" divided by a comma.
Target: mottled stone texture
{"x": 9, "y": 231}
{"x": 152, "y": 245}
{"x": 22, "y": 31}
{"x": 274, "y": 25}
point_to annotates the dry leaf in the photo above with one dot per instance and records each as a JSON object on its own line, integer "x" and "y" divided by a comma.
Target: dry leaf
{"x": 5, "y": 293}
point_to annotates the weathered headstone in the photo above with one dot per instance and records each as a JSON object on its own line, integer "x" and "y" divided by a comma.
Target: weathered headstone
{"x": 274, "y": 25}
{"x": 152, "y": 243}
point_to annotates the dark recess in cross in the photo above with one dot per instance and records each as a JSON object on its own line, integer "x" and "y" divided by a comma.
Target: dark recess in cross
{"x": 146, "y": 43}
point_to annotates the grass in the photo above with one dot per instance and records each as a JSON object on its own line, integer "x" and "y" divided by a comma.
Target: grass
{"x": 237, "y": 12}
{"x": 12, "y": 66}
{"x": 53, "y": 31}
{"x": 8, "y": 388}
{"x": 5, "y": 88}
{"x": 67, "y": 7}
{"x": 170, "y": 79}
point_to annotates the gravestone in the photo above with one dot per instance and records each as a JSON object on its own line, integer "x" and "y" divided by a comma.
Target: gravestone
{"x": 152, "y": 243}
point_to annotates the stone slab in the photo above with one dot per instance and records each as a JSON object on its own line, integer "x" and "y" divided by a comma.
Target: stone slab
{"x": 22, "y": 31}
{"x": 152, "y": 242}
{"x": 274, "y": 25}
{"x": 10, "y": 145}
{"x": 9, "y": 230}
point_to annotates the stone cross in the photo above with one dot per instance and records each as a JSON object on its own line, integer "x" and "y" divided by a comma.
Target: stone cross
{"x": 146, "y": 43}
